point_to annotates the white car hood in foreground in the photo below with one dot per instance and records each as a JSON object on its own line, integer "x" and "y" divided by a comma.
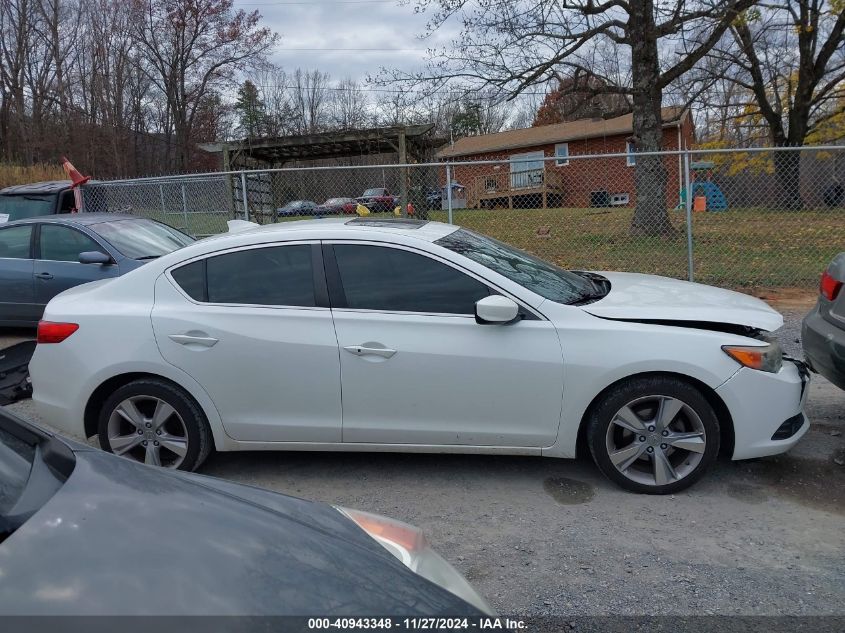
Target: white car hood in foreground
{"x": 647, "y": 297}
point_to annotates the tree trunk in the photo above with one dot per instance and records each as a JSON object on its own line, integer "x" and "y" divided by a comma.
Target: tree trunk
{"x": 650, "y": 216}
{"x": 788, "y": 174}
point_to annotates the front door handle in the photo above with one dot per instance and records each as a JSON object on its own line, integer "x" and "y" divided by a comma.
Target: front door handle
{"x": 363, "y": 350}
{"x": 44, "y": 275}
{"x": 188, "y": 339}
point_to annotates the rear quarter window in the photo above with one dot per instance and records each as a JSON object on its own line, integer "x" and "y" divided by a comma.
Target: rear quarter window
{"x": 191, "y": 279}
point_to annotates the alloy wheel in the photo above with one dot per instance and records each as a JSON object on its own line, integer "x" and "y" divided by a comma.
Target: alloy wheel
{"x": 656, "y": 440}
{"x": 149, "y": 430}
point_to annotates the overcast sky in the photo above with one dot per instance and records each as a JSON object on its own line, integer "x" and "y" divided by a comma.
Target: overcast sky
{"x": 312, "y": 31}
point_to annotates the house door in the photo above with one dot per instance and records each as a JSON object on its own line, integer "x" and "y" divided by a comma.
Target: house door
{"x": 527, "y": 170}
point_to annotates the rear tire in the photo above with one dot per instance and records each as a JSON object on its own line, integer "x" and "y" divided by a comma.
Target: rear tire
{"x": 155, "y": 422}
{"x": 653, "y": 434}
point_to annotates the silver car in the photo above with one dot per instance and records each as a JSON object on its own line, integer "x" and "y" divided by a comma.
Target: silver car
{"x": 823, "y": 331}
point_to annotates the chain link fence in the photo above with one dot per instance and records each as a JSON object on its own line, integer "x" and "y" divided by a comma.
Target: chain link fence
{"x": 727, "y": 217}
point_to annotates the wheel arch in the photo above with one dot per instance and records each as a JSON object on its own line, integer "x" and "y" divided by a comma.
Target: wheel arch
{"x": 109, "y": 386}
{"x": 723, "y": 414}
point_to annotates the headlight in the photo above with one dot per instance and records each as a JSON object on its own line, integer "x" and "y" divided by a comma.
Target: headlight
{"x": 763, "y": 357}
{"x": 409, "y": 545}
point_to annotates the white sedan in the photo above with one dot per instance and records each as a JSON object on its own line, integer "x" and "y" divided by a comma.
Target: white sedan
{"x": 403, "y": 335}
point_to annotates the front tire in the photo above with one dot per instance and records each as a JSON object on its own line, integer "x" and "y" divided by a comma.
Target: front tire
{"x": 155, "y": 422}
{"x": 653, "y": 434}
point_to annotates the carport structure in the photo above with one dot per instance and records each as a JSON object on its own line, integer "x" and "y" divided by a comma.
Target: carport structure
{"x": 414, "y": 142}
{"x": 409, "y": 144}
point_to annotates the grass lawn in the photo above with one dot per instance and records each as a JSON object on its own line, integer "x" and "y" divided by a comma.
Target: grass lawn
{"x": 740, "y": 248}
{"x": 737, "y": 248}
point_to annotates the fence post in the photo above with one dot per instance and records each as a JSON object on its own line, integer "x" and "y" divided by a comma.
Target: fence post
{"x": 185, "y": 207}
{"x": 243, "y": 195}
{"x": 161, "y": 195}
{"x": 688, "y": 209}
{"x": 449, "y": 191}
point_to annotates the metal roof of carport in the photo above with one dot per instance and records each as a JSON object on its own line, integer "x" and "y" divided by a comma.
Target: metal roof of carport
{"x": 326, "y": 145}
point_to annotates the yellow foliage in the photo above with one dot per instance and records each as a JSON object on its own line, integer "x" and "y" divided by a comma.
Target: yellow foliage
{"x": 734, "y": 163}
{"x": 11, "y": 174}
{"x": 830, "y": 130}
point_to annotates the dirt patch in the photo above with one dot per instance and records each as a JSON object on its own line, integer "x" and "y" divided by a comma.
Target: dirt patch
{"x": 568, "y": 492}
{"x": 813, "y": 483}
{"x": 747, "y": 493}
{"x": 787, "y": 298}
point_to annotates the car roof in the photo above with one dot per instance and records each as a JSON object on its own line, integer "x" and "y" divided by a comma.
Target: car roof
{"x": 47, "y": 186}
{"x": 82, "y": 219}
{"x": 421, "y": 229}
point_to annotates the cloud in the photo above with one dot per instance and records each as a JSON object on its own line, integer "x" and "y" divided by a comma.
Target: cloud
{"x": 321, "y": 25}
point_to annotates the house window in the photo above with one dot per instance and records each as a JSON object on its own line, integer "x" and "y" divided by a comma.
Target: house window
{"x": 630, "y": 150}
{"x": 562, "y": 154}
{"x": 490, "y": 183}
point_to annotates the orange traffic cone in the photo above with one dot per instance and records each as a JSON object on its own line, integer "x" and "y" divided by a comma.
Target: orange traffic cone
{"x": 75, "y": 177}
{"x": 77, "y": 180}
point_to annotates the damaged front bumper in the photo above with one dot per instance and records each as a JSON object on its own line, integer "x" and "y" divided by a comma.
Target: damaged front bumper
{"x": 761, "y": 403}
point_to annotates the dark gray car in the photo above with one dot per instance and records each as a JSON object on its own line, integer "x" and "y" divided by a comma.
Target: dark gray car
{"x": 83, "y": 532}
{"x": 823, "y": 331}
{"x": 40, "y": 257}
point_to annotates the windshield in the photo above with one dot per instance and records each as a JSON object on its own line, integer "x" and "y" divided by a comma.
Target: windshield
{"x": 374, "y": 192}
{"x": 337, "y": 201}
{"x": 141, "y": 238}
{"x": 530, "y": 272}
{"x": 16, "y": 457}
{"x": 21, "y": 207}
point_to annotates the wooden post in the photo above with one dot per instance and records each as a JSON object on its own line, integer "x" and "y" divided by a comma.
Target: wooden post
{"x": 227, "y": 166}
{"x": 403, "y": 172}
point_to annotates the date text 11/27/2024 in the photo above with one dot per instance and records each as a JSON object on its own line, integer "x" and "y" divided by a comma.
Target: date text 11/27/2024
{"x": 417, "y": 624}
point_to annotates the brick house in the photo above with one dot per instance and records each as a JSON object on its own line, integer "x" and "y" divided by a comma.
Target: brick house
{"x": 523, "y": 179}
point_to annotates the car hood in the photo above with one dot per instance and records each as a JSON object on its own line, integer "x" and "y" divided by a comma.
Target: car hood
{"x": 636, "y": 297}
{"x": 121, "y": 538}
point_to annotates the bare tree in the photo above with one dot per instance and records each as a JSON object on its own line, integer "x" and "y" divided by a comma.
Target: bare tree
{"x": 350, "y": 106}
{"x": 512, "y": 46}
{"x": 787, "y": 60}
{"x": 310, "y": 100}
{"x": 17, "y": 18}
{"x": 191, "y": 48}
{"x": 580, "y": 97}
{"x": 275, "y": 93}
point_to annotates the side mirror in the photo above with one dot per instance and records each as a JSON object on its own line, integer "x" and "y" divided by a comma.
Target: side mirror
{"x": 94, "y": 257}
{"x": 496, "y": 310}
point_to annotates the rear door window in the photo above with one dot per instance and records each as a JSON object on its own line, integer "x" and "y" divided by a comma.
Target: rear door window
{"x": 274, "y": 276}
{"x": 15, "y": 242}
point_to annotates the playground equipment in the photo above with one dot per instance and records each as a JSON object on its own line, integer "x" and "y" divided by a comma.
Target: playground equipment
{"x": 706, "y": 195}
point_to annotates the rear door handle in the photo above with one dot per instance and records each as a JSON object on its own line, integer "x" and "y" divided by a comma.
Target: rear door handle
{"x": 361, "y": 350}
{"x": 44, "y": 275}
{"x": 188, "y": 339}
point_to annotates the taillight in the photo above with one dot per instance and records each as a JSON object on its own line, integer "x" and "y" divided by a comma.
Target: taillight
{"x": 50, "y": 332}
{"x": 829, "y": 287}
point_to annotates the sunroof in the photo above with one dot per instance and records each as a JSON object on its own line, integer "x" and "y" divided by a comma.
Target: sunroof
{"x": 399, "y": 223}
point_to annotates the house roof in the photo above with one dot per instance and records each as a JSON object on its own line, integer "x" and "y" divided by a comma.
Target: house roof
{"x": 556, "y": 133}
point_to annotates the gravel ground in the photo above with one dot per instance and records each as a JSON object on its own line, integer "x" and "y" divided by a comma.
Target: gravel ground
{"x": 548, "y": 537}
